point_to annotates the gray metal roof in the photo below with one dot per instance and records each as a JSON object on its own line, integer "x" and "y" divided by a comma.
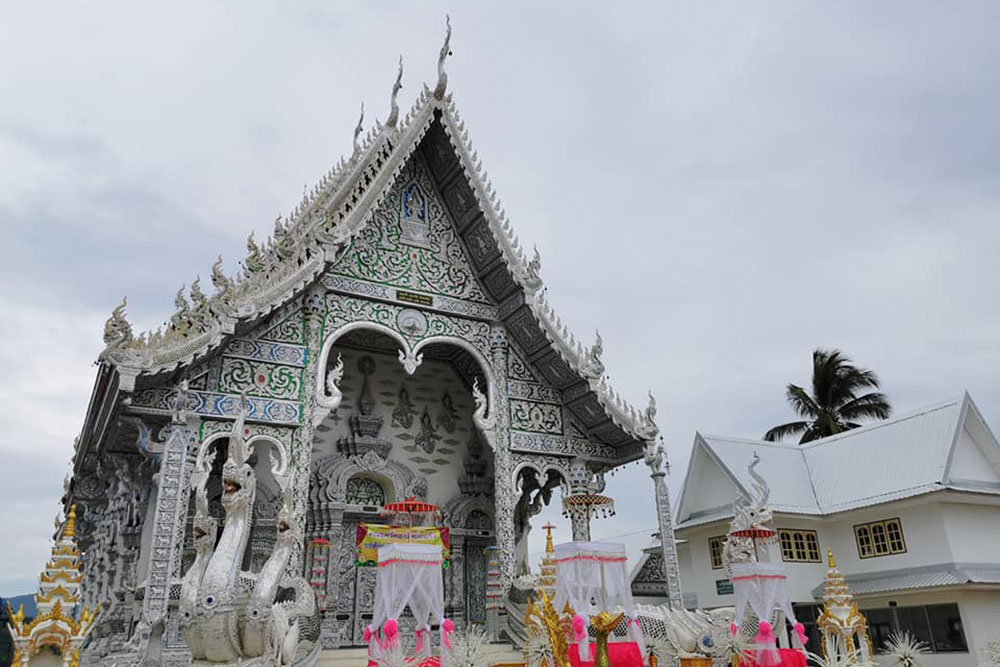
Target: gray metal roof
{"x": 849, "y": 470}
{"x": 914, "y": 578}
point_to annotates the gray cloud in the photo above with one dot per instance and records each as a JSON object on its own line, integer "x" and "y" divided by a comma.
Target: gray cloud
{"x": 719, "y": 189}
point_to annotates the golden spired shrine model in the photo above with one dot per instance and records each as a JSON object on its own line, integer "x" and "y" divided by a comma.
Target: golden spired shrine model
{"x": 55, "y": 629}
{"x": 844, "y": 628}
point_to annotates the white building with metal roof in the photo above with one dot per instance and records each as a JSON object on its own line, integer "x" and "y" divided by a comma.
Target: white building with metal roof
{"x": 910, "y": 507}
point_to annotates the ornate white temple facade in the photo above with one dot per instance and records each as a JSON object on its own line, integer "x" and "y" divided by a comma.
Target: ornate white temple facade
{"x": 391, "y": 339}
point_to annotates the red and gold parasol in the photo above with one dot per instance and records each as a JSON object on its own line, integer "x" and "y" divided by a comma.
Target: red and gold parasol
{"x": 409, "y": 507}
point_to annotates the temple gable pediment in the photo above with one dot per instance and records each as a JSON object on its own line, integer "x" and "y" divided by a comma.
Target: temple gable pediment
{"x": 411, "y": 244}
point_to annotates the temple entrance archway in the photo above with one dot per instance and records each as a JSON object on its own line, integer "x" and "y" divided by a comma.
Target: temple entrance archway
{"x": 397, "y": 434}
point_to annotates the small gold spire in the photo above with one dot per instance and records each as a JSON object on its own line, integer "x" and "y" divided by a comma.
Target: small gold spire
{"x": 829, "y": 558}
{"x": 549, "y": 548}
{"x": 70, "y": 529}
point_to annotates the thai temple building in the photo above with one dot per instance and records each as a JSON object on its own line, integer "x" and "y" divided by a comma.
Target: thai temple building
{"x": 57, "y": 632}
{"x": 391, "y": 340}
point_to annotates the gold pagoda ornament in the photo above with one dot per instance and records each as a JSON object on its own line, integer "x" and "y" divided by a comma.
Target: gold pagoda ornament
{"x": 55, "y": 630}
{"x": 547, "y": 580}
{"x": 843, "y": 629}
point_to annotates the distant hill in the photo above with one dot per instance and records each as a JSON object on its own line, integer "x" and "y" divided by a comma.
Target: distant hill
{"x": 30, "y": 611}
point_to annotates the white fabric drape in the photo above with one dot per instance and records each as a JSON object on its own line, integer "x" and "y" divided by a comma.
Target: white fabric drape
{"x": 763, "y": 587}
{"x": 409, "y": 574}
{"x": 593, "y": 577}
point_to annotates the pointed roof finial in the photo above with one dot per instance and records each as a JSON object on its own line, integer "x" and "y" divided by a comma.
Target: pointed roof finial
{"x": 117, "y": 329}
{"x": 442, "y": 84}
{"x": 394, "y": 106}
{"x": 549, "y": 548}
{"x": 69, "y": 530}
{"x": 829, "y": 558}
{"x": 357, "y": 130}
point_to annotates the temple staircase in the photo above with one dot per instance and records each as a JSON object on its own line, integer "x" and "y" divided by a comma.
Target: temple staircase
{"x": 506, "y": 654}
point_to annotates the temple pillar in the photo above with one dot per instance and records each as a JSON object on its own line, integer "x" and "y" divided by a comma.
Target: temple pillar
{"x": 313, "y": 311}
{"x": 579, "y": 484}
{"x": 168, "y": 523}
{"x": 456, "y": 578}
{"x": 503, "y": 464}
{"x": 335, "y": 534}
{"x": 581, "y": 527}
{"x": 494, "y": 593}
{"x": 656, "y": 459}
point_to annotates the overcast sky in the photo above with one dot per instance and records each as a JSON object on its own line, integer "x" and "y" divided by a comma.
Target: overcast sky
{"x": 719, "y": 188}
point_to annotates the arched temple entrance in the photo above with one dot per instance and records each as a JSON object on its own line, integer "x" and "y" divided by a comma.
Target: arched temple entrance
{"x": 403, "y": 427}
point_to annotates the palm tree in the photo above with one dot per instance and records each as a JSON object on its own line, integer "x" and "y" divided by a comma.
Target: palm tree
{"x": 834, "y": 405}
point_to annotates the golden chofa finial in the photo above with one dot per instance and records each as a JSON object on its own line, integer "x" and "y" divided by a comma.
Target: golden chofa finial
{"x": 829, "y": 558}
{"x": 70, "y": 528}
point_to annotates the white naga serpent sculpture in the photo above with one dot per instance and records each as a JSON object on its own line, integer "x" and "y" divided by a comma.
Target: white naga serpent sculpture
{"x": 231, "y": 615}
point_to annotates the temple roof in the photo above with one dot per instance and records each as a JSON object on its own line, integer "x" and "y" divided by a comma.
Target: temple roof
{"x": 322, "y": 227}
{"x": 947, "y": 445}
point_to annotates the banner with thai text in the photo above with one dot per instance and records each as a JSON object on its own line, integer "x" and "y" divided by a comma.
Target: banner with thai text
{"x": 373, "y": 535}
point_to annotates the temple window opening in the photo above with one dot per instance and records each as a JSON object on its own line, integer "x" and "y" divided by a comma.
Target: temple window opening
{"x": 364, "y": 491}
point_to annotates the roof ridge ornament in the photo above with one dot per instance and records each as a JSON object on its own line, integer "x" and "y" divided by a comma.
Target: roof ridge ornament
{"x": 117, "y": 330}
{"x": 593, "y": 367}
{"x": 442, "y": 83}
{"x": 533, "y": 278}
{"x": 358, "y": 128}
{"x": 646, "y": 426}
{"x": 222, "y": 283}
{"x": 394, "y": 106}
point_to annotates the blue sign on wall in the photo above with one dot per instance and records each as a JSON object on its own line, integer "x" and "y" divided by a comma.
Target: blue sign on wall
{"x": 723, "y": 587}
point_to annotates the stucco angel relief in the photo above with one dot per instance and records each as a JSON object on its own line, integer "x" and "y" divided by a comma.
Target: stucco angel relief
{"x": 402, "y": 414}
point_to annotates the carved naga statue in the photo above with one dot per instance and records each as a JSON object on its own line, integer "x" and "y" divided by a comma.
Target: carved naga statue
{"x": 748, "y": 513}
{"x": 205, "y": 529}
{"x": 231, "y": 615}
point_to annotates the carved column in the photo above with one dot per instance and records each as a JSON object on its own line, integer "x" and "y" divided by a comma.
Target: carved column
{"x": 656, "y": 460}
{"x": 335, "y": 535}
{"x": 494, "y": 601}
{"x": 580, "y": 524}
{"x": 313, "y": 310}
{"x": 168, "y": 520}
{"x": 456, "y": 577}
{"x": 579, "y": 484}
{"x": 503, "y": 465}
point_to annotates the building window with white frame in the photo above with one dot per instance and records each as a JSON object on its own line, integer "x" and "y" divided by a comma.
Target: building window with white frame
{"x": 798, "y": 546}
{"x": 715, "y": 545}
{"x": 879, "y": 538}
